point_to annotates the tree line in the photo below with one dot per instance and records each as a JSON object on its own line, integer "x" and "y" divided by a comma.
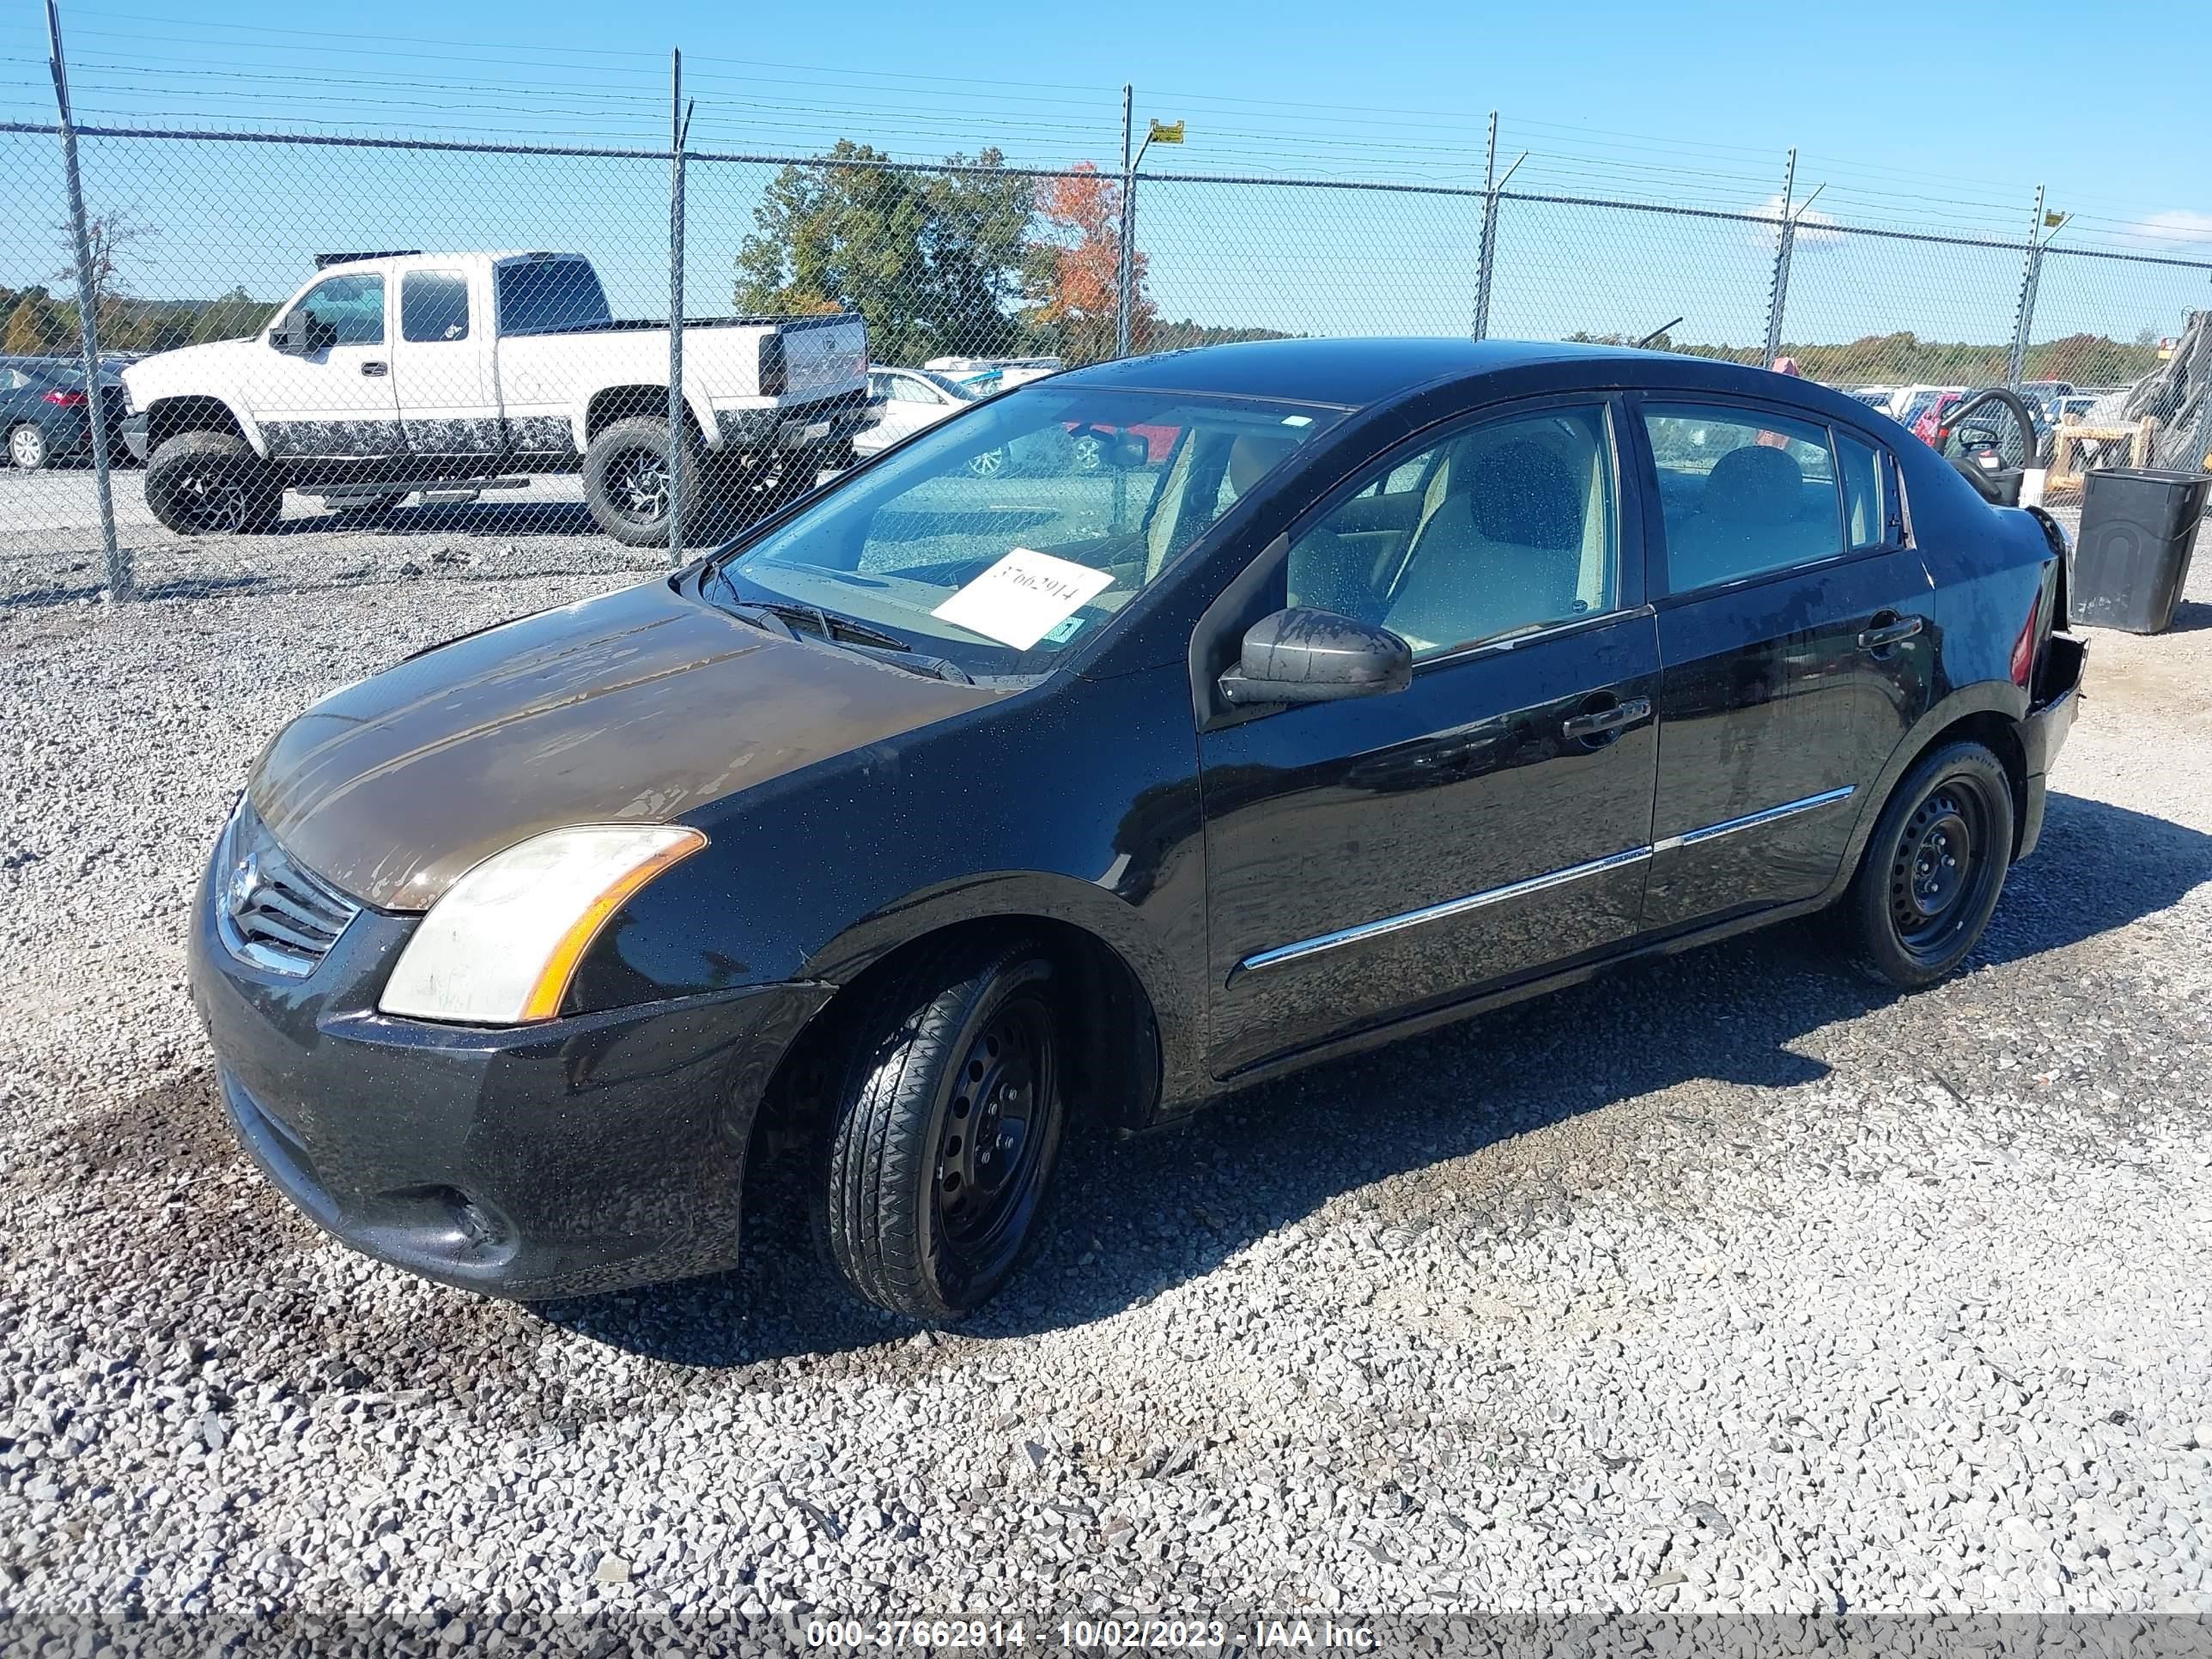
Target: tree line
{"x": 38, "y": 325}
{"x": 1903, "y": 358}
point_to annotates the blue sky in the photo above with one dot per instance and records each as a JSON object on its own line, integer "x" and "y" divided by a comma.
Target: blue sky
{"x": 1694, "y": 104}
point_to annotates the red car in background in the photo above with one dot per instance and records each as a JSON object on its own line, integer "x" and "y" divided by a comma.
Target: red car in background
{"x": 1092, "y": 453}
{"x": 1926, "y": 411}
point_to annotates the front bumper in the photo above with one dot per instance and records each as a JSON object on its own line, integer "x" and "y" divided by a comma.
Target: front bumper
{"x": 133, "y": 430}
{"x": 585, "y": 1154}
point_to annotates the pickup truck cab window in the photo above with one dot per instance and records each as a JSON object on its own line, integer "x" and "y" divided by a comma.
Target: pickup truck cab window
{"x": 433, "y": 305}
{"x": 343, "y": 311}
{"x": 1742, "y": 492}
{"x": 543, "y": 296}
{"x": 1513, "y": 526}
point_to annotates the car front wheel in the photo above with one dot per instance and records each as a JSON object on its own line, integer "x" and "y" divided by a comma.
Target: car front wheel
{"x": 1932, "y": 871}
{"x": 948, "y": 1126}
{"x": 27, "y": 447}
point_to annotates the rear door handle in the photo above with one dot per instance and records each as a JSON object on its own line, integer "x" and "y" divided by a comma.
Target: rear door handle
{"x": 373, "y": 368}
{"x": 1888, "y": 634}
{"x": 1597, "y": 725}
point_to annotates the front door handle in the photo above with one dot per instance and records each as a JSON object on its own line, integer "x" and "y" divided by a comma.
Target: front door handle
{"x": 373, "y": 368}
{"x": 1604, "y": 721}
{"x": 1885, "y": 634}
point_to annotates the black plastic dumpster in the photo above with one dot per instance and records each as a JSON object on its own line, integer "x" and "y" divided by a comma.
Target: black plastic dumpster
{"x": 2131, "y": 558}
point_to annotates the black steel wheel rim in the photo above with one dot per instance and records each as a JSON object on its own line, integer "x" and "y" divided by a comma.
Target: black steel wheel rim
{"x": 994, "y": 1148}
{"x": 211, "y": 500}
{"x": 637, "y": 485}
{"x": 1942, "y": 866}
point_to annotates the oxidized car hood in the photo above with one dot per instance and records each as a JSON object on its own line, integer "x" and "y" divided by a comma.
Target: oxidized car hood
{"x": 638, "y": 706}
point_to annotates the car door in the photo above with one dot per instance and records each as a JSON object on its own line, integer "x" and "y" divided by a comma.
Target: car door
{"x": 1797, "y": 639}
{"x": 1372, "y": 857}
{"x": 443, "y": 371}
{"x": 334, "y": 397}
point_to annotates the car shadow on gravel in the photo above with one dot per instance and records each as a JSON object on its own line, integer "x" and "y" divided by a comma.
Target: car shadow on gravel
{"x": 1161, "y": 1209}
{"x": 490, "y": 517}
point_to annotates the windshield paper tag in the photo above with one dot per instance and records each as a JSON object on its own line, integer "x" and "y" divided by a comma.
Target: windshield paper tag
{"x": 1024, "y": 596}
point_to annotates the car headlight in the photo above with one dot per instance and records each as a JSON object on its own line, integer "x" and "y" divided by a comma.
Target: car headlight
{"x": 500, "y": 945}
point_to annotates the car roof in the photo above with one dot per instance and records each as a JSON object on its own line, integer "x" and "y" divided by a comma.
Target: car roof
{"x": 1360, "y": 373}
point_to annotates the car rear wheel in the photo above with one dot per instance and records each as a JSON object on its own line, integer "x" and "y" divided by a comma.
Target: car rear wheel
{"x": 989, "y": 464}
{"x": 1934, "y": 868}
{"x": 626, "y": 481}
{"x": 207, "y": 484}
{"x": 948, "y": 1126}
{"x": 27, "y": 447}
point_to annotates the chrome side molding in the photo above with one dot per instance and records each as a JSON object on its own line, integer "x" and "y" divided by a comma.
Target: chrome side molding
{"x": 1301, "y": 949}
{"x": 1367, "y": 930}
{"x": 1773, "y": 814}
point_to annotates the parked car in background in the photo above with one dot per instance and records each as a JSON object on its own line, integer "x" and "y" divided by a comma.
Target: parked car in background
{"x": 1004, "y": 372}
{"x": 1925, "y": 410}
{"x": 943, "y": 815}
{"x": 46, "y": 413}
{"x": 391, "y": 374}
{"x": 2046, "y": 398}
{"x": 903, "y": 401}
{"x": 1881, "y": 397}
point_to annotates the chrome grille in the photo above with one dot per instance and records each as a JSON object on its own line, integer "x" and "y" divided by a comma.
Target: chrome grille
{"x": 271, "y": 910}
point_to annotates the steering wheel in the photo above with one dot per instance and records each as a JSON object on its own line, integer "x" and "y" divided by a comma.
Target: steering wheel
{"x": 1977, "y": 444}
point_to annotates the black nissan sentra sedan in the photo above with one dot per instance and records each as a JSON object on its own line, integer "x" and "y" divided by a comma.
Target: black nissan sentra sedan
{"x": 1369, "y": 684}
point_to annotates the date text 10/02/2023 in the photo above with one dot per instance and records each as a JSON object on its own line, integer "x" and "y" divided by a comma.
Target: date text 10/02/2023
{"x": 1135, "y": 1634}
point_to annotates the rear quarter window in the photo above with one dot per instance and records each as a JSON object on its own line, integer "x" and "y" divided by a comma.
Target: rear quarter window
{"x": 541, "y": 296}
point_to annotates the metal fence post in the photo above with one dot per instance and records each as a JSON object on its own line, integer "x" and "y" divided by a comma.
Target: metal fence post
{"x": 115, "y": 564}
{"x": 2030, "y": 277}
{"x": 1778, "y": 298}
{"x": 1125, "y": 275}
{"x": 1488, "y": 247}
{"x": 679, "y": 131}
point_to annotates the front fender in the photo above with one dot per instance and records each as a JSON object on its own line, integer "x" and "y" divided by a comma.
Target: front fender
{"x": 1012, "y": 896}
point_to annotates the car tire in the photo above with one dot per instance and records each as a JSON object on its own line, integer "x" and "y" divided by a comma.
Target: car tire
{"x": 625, "y": 474}
{"x": 27, "y": 448}
{"x": 1934, "y": 868}
{"x": 947, "y": 1127}
{"x": 1087, "y": 452}
{"x": 990, "y": 464}
{"x": 204, "y": 484}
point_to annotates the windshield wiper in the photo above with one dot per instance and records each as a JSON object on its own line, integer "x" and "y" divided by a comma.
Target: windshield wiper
{"x": 782, "y": 616}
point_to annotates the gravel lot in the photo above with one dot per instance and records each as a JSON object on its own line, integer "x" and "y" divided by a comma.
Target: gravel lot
{"x": 1725, "y": 1283}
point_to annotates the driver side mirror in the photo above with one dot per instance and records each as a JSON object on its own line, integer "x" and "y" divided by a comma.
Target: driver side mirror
{"x": 289, "y": 335}
{"x": 1304, "y": 656}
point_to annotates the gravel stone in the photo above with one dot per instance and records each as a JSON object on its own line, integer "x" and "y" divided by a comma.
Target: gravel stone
{"x": 1726, "y": 1282}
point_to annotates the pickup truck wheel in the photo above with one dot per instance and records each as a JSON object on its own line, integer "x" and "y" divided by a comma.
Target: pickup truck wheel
{"x": 1932, "y": 869}
{"x": 206, "y": 484}
{"x": 626, "y": 481}
{"x": 948, "y": 1125}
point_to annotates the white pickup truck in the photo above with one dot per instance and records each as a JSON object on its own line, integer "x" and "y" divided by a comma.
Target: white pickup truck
{"x": 449, "y": 374}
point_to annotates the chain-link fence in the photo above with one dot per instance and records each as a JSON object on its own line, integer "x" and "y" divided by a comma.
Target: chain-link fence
{"x": 353, "y": 359}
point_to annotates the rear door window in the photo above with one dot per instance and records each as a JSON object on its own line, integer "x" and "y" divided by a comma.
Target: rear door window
{"x": 433, "y": 305}
{"x": 1742, "y": 492}
{"x": 1864, "y": 519}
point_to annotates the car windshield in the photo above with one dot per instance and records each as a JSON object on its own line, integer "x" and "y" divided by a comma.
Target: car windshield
{"x": 1022, "y": 525}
